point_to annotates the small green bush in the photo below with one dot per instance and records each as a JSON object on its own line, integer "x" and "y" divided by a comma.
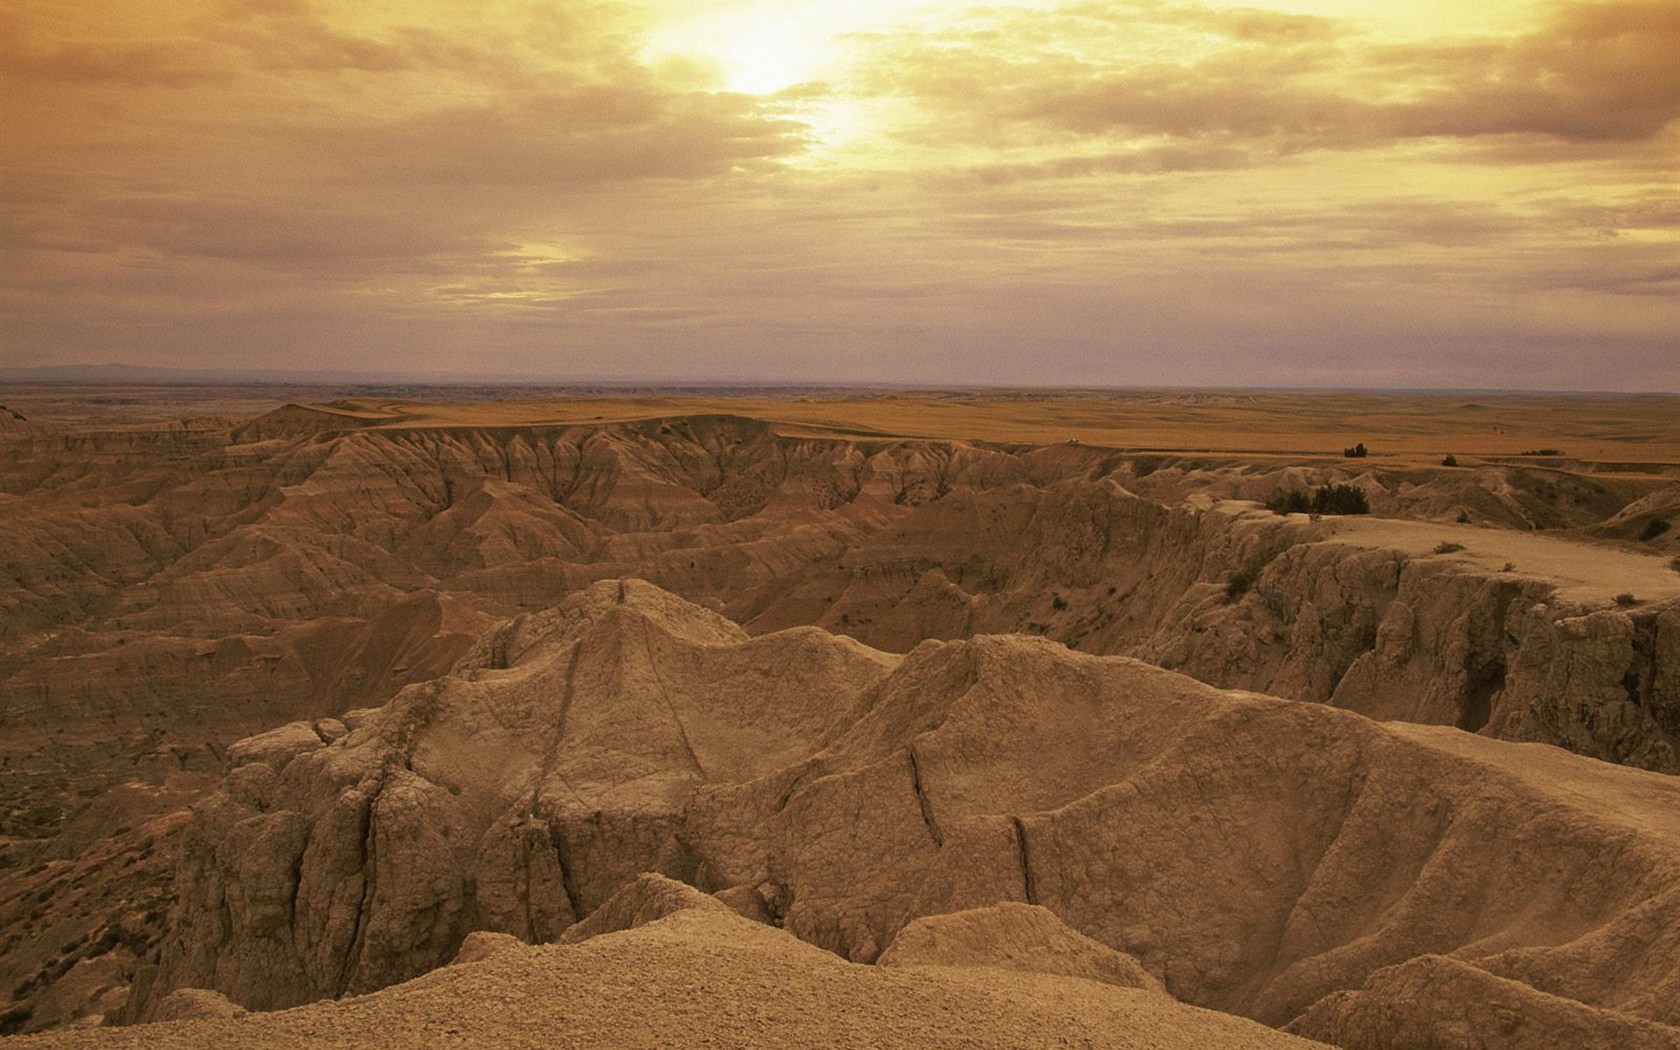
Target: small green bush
{"x": 1450, "y": 461}
{"x": 1626, "y": 598}
{"x": 1448, "y": 547}
{"x": 1464, "y": 517}
{"x": 1356, "y": 452}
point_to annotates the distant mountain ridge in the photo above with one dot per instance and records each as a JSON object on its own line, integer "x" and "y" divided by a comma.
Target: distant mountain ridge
{"x": 122, "y": 372}
{"x": 118, "y": 372}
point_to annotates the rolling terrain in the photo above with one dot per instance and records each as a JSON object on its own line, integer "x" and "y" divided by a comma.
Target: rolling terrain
{"x": 522, "y": 653}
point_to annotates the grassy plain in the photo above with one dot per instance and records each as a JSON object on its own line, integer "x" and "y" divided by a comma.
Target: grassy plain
{"x": 1635, "y": 431}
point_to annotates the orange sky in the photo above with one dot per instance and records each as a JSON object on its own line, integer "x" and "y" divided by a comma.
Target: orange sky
{"x": 1154, "y": 192}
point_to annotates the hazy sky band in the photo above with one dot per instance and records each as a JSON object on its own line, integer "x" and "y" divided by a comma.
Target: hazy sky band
{"x": 1075, "y": 193}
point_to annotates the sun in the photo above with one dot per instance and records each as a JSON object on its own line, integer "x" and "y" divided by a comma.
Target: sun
{"x": 765, "y": 50}
{"x": 770, "y": 58}
{"x": 752, "y": 51}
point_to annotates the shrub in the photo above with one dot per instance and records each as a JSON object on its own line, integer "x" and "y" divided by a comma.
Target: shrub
{"x": 1541, "y": 452}
{"x": 1450, "y": 461}
{"x": 1356, "y": 452}
{"x": 1330, "y": 499}
{"x": 1675, "y": 563}
{"x": 1289, "y": 503}
{"x": 1626, "y": 598}
{"x": 1341, "y": 499}
{"x": 1238, "y": 585}
{"x": 1244, "y": 579}
{"x": 1448, "y": 547}
{"x": 1464, "y": 517}
{"x": 1654, "y": 528}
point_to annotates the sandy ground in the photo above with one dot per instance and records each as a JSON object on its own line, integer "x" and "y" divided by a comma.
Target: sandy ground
{"x": 697, "y": 980}
{"x": 1588, "y": 573}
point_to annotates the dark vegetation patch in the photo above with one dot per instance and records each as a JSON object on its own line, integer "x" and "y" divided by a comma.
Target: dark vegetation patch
{"x": 1328, "y": 499}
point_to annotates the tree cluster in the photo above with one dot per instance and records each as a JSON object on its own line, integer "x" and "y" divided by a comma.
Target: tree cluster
{"x": 1328, "y": 499}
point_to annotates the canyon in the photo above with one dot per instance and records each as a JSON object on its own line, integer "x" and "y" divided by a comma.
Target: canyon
{"x": 298, "y": 703}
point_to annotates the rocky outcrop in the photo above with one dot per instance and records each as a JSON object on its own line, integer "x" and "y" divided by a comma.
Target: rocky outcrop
{"x": 1435, "y": 1001}
{"x": 14, "y": 425}
{"x": 1014, "y": 936}
{"x": 517, "y": 794}
{"x": 1414, "y": 635}
{"x": 196, "y": 1004}
{"x": 78, "y": 927}
{"x": 704, "y": 976}
{"x": 648, "y": 898}
{"x": 1257, "y": 854}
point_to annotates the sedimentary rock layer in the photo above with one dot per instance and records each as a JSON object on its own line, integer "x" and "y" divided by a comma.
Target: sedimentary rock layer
{"x": 167, "y": 591}
{"x": 673, "y": 973}
{"x": 1254, "y": 855}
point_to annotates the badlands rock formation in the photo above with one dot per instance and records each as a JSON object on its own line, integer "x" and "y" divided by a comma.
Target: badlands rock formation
{"x": 1287, "y": 861}
{"x": 517, "y": 794}
{"x": 168, "y": 590}
{"x": 1375, "y": 620}
{"x": 1013, "y": 936}
{"x": 674, "y": 972}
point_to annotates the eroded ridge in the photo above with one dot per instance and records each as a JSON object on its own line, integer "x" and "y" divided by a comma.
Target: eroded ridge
{"x": 1283, "y": 860}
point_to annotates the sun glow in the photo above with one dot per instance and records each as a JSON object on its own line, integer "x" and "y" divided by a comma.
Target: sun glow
{"x": 772, "y": 58}
{"x": 794, "y": 56}
{"x": 753, "y": 51}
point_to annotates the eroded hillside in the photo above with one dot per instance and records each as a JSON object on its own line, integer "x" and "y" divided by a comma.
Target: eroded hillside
{"x": 1286, "y": 861}
{"x": 169, "y": 590}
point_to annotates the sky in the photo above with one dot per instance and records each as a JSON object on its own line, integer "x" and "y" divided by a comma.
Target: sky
{"x": 1156, "y": 192}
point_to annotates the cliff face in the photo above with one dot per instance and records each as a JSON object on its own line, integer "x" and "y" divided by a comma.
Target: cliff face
{"x": 1256, "y": 855}
{"x": 1402, "y": 632}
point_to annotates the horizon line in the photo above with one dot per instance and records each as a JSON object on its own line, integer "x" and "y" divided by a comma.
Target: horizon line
{"x": 162, "y": 375}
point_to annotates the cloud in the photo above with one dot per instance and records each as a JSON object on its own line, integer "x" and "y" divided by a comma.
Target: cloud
{"x": 1595, "y": 71}
{"x": 1154, "y": 191}
{"x": 591, "y": 133}
{"x": 290, "y": 135}
{"x": 25, "y": 57}
{"x": 1275, "y": 84}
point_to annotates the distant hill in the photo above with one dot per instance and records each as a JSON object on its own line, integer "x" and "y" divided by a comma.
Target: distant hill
{"x": 117, "y": 372}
